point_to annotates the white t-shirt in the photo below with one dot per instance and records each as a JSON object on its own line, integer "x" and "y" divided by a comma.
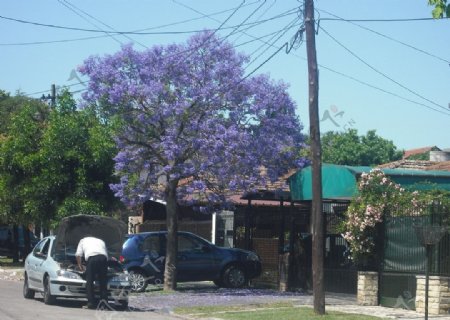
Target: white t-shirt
{"x": 90, "y": 246}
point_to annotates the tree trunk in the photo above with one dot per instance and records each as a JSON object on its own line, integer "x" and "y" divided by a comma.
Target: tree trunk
{"x": 15, "y": 243}
{"x": 26, "y": 242}
{"x": 170, "y": 273}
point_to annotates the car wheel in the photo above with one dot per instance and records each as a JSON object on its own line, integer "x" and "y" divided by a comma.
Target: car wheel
{"x": 234, "y": 277}
{"x": 48, "y": 298}
{"x": 27, "y": 292}
{"x": 138, "y": 281}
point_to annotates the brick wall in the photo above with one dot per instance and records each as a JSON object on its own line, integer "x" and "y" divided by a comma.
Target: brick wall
{"x": 438, "y": 294}
{"x": 267, "y": 249}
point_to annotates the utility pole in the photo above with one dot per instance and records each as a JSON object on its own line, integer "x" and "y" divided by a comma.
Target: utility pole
{"x": 51, "y": 97}
{"x": 316, "y": 154}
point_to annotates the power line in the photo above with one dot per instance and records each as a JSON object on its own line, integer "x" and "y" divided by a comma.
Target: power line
{"x": 384, "y": 20}
{"x": 257, "y": 19}
{"x": 126, "y": 32}
{"x": 243, "y": 32}
{"x": 322, "y": 66}
{"x": 192, "y": 51}
{"x": 242, "y": 23}
{"x": 71, "y": 8}
{"x": 138, "y": 32}
{"x": 50, "y": 42}
{"x": 384, "y": 36}
{"x": 66, "y": 2}
{"x": 381, "y": 89}
{"x": 280, "y": 34}
{"x": 379, "y": 72}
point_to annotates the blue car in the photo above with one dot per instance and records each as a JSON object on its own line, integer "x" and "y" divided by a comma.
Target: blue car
{"x": 143, "y": 255}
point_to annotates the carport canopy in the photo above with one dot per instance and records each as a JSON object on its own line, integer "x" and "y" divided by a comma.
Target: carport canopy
{"x": 340, "y": 182}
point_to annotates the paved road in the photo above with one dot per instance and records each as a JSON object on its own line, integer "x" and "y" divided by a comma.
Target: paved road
{"x": 14, "y": 307}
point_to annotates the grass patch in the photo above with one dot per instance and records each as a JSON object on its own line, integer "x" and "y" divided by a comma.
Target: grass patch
{"x": 6, "y": 263}
{"x": 285, "y": 311}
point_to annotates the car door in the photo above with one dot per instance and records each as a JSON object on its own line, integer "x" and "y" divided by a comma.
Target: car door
{"x": 42, "y": 256}
{"x": 196, "y": 260}
{"x": 152, "y": 255}
{"x": 35, "y": 262}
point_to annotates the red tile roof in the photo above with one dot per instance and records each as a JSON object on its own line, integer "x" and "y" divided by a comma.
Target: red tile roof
{"x": 408, "y": 153}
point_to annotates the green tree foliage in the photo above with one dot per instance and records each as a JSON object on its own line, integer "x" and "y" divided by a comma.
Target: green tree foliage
{"x": 9, "y": 105}
{"x": 56, "y": 162}
{"x": 441, "y": 8}
{"x": 19, "y": 150}
{"x": 347, "y": 148}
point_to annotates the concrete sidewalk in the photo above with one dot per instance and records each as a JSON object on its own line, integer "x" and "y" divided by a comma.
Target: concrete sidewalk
{"x": 347, "y": 304}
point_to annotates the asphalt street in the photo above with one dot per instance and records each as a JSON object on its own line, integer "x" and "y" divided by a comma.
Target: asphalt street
{"x": 14, "y": 307}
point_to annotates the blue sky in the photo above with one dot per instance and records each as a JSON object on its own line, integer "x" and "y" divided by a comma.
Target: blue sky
{"x": 391, "y": 76}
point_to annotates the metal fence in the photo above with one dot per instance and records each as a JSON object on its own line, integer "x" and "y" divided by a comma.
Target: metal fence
{"x": 403, "y": 256}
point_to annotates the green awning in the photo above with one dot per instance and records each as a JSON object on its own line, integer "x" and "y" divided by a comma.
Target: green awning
{"x": 340, "y": 182}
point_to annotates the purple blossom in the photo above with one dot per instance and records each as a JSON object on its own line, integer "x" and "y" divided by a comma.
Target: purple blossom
{"x": 189, "y": 117}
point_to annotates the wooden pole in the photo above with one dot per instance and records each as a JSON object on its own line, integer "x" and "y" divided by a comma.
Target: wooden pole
{"x": 316, "y": 155}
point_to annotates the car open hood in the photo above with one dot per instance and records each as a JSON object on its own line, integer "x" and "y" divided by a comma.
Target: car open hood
{"x": 72, "y": 229}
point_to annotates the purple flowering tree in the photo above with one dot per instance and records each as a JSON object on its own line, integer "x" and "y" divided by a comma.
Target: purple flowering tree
{"x": 192, "y": 126}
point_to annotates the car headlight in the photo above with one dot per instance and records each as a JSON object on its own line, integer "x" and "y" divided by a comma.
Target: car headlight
{"x": 120, "y": 277}
{"x": 252, "y": 257}
{"x": 68, "y": 274}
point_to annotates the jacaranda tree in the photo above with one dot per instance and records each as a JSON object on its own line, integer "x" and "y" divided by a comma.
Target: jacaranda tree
{"x": 192, "y": 126}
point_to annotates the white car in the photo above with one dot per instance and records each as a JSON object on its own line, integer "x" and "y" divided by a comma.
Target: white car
{"x": 52, "y": 270}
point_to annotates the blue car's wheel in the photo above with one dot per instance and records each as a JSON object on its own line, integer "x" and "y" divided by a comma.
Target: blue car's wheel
{"x": 234, "y": 277}
{"x": 138, "y": 280}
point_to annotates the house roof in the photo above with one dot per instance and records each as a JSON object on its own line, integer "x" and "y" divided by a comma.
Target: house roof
{"x": 409, "y": 164}
{"x": 417, "y": 165}
{"x": 408, "y": 153}
{"x": 340, "y": 182}
{"x": 444, "y": 166}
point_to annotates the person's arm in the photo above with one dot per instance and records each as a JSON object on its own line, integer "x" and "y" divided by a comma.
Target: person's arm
{"x": 80, "y": 266}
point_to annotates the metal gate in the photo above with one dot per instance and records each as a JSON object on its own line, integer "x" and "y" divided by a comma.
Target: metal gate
{"x": 403, "y": 257}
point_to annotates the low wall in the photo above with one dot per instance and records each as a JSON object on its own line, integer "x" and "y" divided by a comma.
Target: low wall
{"x": 438, "y": 294}
{"x": 367, "y": 294}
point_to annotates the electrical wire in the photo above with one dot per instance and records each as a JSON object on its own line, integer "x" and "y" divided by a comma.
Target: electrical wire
{"x": 385, "y": 20}
{"x": 191, "y": 51}
{"x": 242, "y": 32}
{"x": 383, "y": 35}
{"x": 286, "y": 13}
{"x": 380, "y": 89}
{"x": 244, "y": 21}
{"x": 49, "y": 42}
{"x": 275, "y": 53}
{"x": 67, "y": 3}
{"x": 138, "y": 32}
{"x": 379, "y": 72}
{"x": 278, "y": 36}
{"x": 68, "y": 6}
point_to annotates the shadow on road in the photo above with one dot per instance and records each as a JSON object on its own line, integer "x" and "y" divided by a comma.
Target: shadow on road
{"x": 72, "y": 303}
